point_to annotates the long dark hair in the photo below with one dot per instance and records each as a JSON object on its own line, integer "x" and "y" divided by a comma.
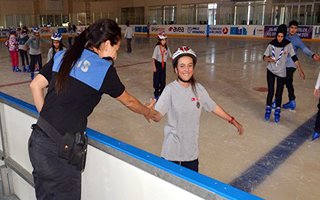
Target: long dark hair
{"x": 97, "y": 33}
{"x": 54, "y": 48}
{"x": 159, "y": 43}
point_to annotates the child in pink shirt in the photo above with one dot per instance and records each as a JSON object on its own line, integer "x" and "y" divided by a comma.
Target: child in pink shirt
{"x": 13, "y": 47}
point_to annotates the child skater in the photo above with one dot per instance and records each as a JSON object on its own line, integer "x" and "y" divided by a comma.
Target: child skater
{"x": 160, "y": 55}
{"x": 23, "y": 38}
{"x": 182, "y": 101}
{"x": 13, "y": 47}
{"x": 276, "y": 56}
{"x": 34, "y": 43}
{"x": 57, "y": 45}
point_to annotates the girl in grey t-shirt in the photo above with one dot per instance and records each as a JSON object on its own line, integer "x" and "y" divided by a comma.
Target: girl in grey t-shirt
{"x": 276, "y": 55}
{"x": 160, "y": 56}
{"x": 182, "y": 100}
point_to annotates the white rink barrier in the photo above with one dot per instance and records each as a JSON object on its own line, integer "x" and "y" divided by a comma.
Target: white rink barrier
{"x": 114, "y": 169}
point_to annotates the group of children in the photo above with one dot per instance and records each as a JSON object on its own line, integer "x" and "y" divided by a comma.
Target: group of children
{"x": 281, "y": 55}
{"x": 20, "y": 41}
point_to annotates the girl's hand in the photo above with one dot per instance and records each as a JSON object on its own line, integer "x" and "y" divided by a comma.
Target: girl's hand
{"x": 269, "y": 59}
{"x": 301, "y": 73}
{"x": 316, "y": 93}
{"x": 237, "y": 125}
{"x": 316, "y": 57}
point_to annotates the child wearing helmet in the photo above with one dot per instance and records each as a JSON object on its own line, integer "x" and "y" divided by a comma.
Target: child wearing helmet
{"x": 160, "y": 55}
{"x": 182, "y": 100}
{"x": 23, "y": 38}
{"x": 34, "y": 43}
{"x": 56, "y": 46}
{"x": 12, "y": 44}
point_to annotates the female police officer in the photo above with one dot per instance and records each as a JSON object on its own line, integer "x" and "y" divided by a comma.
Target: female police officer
{"x": 76, "y": 80}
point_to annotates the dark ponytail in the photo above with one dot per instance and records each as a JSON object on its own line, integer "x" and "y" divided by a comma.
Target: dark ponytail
{"x": 93, "y": 36}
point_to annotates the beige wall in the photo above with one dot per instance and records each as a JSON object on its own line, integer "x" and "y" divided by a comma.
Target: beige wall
{"x": 100, "y": 8}
{"x": 16, "y": 7}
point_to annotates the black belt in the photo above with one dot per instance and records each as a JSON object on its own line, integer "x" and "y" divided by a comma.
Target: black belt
{"x": 72, "y": 147}
{"x": 48, "y": 129}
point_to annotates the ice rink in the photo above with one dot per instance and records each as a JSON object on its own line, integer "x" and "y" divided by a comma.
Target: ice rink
{"x": 273, "y": 161}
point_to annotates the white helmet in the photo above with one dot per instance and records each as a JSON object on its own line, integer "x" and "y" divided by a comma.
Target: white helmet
{"x": 162, "y": 35}
{"x": 183, "y": 51}
{"x": 35, "y": 29}
{"x": 56, "y": 36}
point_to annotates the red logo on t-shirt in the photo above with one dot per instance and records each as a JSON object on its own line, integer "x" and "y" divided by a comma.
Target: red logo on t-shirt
{"x": 194, "y": 99}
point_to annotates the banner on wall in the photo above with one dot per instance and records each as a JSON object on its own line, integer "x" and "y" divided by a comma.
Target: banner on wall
{"x": 219, "y": 30}
{"x": 179, "y": 29}
{"x": 155, "y": 29}
{"x": 140, "y": 28}
{"x": 176, "y": 29}
{"x": 304, "y": 32}
{"x": 196, "y": 29}
{"x": 270, "y": 31}
{"x": 316, "y": 32}
{"x": 255, "y": 31}
{"x": 4, "y": 32}
{"x": 238, "y": 30}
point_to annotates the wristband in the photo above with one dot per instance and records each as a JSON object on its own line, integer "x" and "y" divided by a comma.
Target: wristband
{"x": 231, "y": 120}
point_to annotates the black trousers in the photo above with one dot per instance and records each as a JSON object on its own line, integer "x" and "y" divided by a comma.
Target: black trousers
{"x": 271, "y": 78}
{"x": 289, "y": 83}
{"x": 54, "y": 178}
{"x": 317, "y": 125}
{"x": 129, "y": 48}
{"x": 24, "y": 57}
{"x": 193, "y": 165}
{"x": 35, "y": 59}
{"x": 159, "y": 78}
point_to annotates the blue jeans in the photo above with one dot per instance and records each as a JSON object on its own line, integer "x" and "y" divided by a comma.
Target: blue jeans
{"x": 54, "y": 178}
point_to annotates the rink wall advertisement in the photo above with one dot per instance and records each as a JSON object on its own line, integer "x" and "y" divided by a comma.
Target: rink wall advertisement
{"x": 219, "y": 30}
{"x": 179, "y": 29}
{"x": 252, "y": 31}
{"x": 259, "y": 31}
{"x": 305, "y": 32}
{"x": 316, "y": 32}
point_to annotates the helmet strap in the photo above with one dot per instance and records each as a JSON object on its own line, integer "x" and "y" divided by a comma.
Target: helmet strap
{"x": 183, "y": 80}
